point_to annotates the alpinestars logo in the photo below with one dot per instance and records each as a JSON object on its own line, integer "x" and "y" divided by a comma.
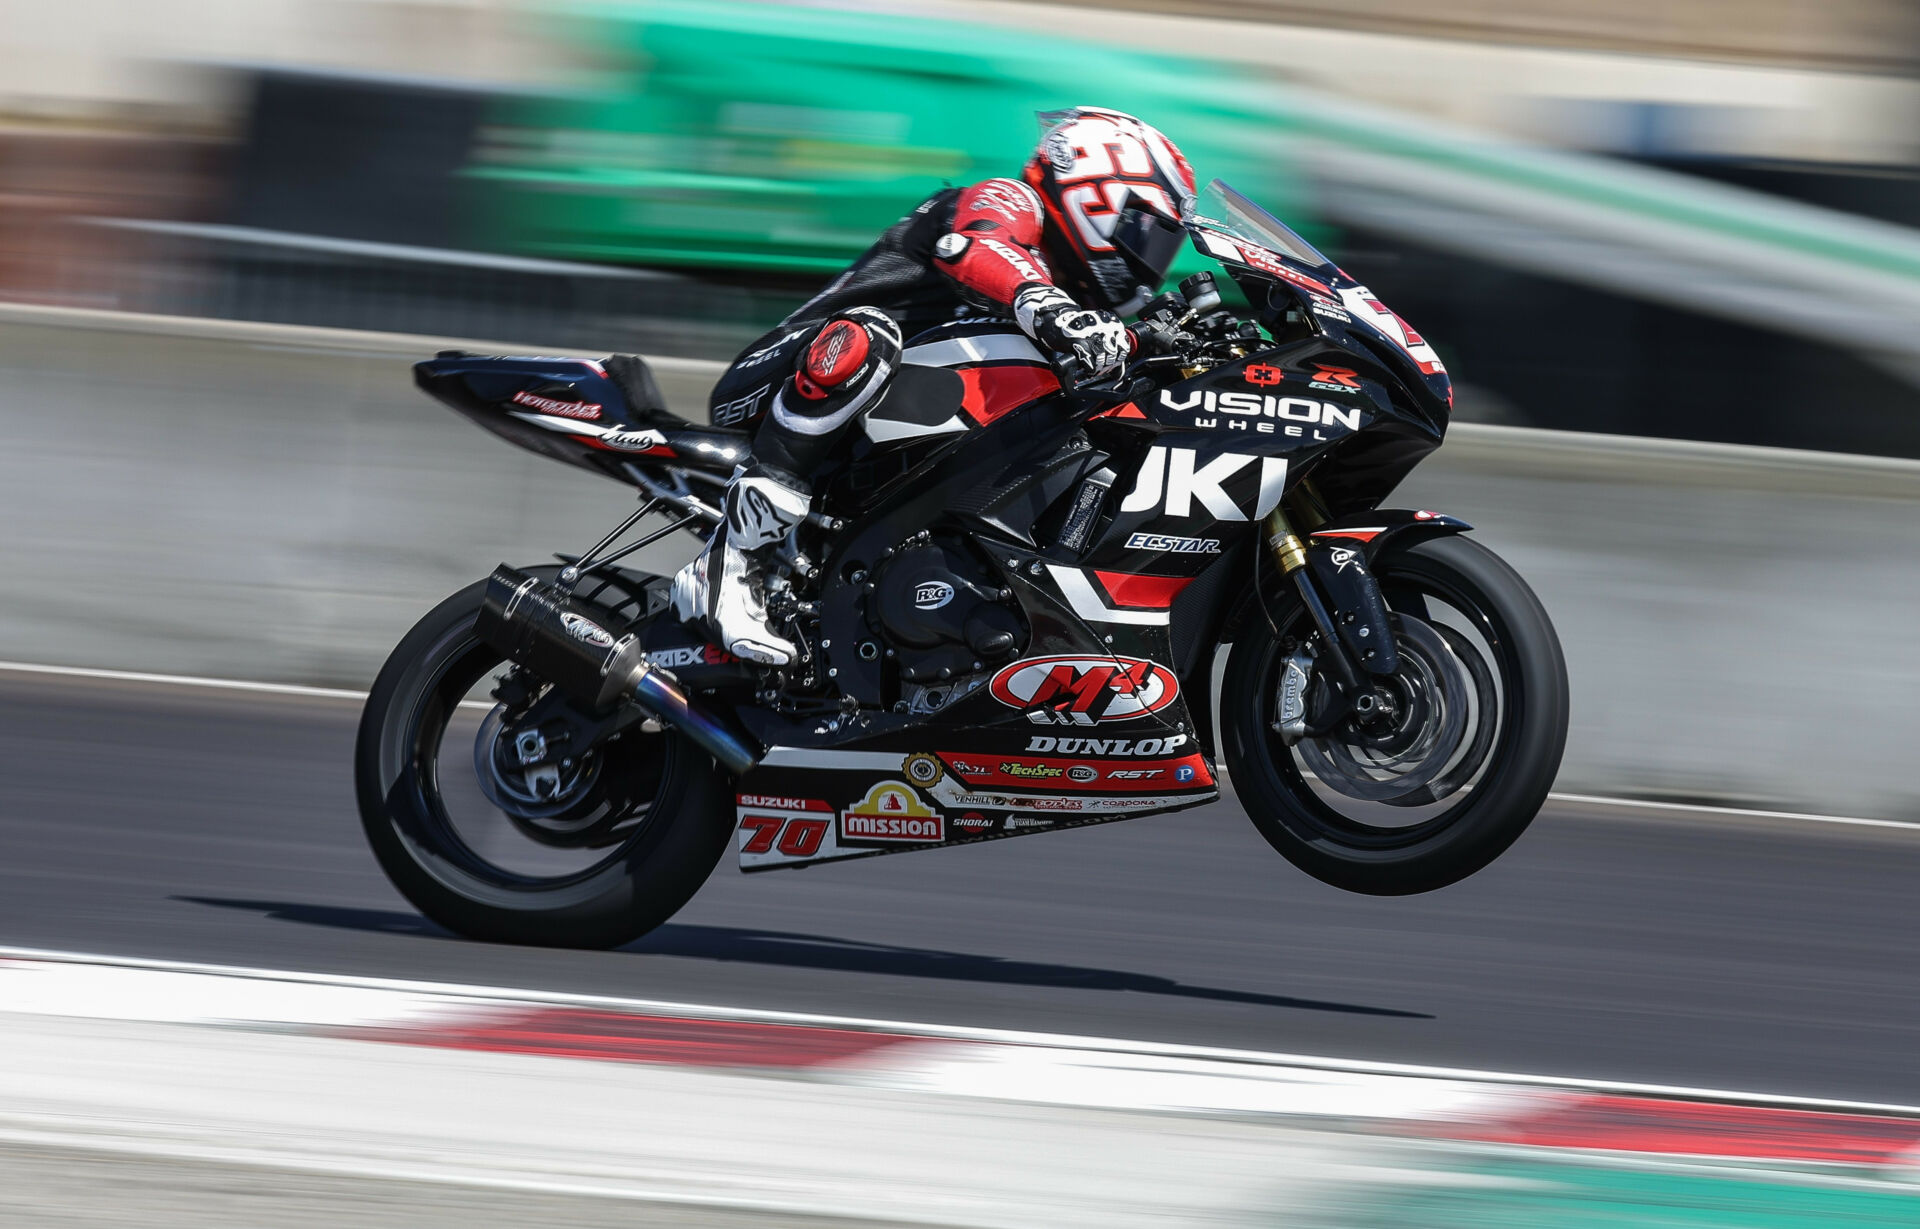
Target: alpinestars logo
{"x": 1085, "y": 690}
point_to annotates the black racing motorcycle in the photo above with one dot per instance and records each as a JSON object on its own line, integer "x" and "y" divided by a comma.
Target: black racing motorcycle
{"x": 1009, "y": 602}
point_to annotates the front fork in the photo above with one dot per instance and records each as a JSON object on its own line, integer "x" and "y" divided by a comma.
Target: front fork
{"x": 1355, "y": 638}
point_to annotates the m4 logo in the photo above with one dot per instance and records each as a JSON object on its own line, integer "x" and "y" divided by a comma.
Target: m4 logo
{"x": 1085, "y": 690}
{"x": 1172, "y": 480}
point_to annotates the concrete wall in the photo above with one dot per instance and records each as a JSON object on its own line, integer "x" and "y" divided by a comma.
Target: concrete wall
{"x": 276, "y": 503}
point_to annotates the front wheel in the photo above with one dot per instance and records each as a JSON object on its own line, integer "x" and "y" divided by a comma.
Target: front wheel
{"x": 1456, "y": 751}
{"x": 492, "y": 825}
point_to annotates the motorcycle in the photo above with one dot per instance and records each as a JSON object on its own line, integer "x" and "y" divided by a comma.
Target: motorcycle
{"x": 1009, "y": 603}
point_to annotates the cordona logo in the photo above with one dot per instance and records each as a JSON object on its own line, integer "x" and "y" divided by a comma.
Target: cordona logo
{"x": 586, "y": 629}
{"x": 932, "y": 594}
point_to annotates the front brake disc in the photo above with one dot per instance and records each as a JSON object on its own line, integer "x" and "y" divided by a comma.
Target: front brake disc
{"x": 1435, "y": 688}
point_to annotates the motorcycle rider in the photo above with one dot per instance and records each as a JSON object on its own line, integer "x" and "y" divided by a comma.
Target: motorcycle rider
{"x": 1083, "y": 237}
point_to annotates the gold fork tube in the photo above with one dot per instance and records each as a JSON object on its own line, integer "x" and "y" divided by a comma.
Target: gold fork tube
{"x": 1285, "y": 544}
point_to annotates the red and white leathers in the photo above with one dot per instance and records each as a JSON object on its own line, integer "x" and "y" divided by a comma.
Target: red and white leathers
{"x": 1087, "y": 232}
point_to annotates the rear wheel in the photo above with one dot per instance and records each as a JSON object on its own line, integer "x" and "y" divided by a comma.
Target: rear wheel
{"x": 1456, "y": 751}
{"x": 498, "y": 829}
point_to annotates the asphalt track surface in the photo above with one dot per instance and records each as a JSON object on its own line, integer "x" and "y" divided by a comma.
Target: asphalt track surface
{"x": 1771, "y": 956}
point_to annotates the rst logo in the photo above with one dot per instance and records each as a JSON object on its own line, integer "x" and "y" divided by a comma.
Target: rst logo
{"x": 1085, "y": 690}
{"x": 1173, "y": 480}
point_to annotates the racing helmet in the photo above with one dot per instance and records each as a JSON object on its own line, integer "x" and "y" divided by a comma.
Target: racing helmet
{"x": 1117, "y": 195}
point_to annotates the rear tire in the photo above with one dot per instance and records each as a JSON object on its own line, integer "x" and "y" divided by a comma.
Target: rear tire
{"x": 1485, "y": 818}
{"x": 646, "y": 880}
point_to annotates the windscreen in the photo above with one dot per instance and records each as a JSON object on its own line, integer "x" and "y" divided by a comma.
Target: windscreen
{"x": 1222, "y": 208}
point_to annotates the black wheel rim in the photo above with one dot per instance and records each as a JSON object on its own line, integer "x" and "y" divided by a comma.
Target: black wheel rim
{"x": 455, "y": 665}
{"x": 1409, "y": 589}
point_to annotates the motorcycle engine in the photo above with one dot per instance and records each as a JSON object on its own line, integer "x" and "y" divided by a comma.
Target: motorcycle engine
{"x": 942, "y": 613}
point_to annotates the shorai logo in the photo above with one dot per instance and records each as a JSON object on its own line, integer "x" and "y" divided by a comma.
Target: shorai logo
{"x": 1085, "y": 690}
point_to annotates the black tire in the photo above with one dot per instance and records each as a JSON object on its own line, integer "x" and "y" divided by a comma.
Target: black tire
{"x": 642, "y": 884}
{"x": 1519, "y": 768}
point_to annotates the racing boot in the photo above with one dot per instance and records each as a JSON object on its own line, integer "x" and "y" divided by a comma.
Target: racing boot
{"x": 724, "y": 589}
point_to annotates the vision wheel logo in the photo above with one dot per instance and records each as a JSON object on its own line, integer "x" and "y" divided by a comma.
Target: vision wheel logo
{"x": 1085, "y": 690}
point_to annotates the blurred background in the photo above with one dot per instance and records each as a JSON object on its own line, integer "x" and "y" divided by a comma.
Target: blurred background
{"x": 1670, "y": 219}
{"x": 1670, "y": 252}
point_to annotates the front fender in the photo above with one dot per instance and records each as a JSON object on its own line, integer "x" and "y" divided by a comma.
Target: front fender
{"x": 1375, "y": 533}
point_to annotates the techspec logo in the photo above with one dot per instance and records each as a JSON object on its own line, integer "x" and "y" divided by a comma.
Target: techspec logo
{"x": 549, "y": 405}
{"x": 1085, "y": 690}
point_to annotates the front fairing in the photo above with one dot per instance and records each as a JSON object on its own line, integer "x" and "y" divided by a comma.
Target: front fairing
{"x": 1292, "y": 287}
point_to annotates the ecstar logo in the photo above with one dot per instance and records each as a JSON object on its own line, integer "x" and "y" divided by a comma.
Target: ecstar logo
{"x": 1174, "y": 545}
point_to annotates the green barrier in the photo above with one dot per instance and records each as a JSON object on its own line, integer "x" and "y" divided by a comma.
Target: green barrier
{"x": 776, "y": 138}
{"x": 1564, "y": 1190}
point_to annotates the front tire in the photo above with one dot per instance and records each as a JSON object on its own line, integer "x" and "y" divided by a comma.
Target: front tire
{"x": 1440, "y": 834}
{"x": 665, "y": 826}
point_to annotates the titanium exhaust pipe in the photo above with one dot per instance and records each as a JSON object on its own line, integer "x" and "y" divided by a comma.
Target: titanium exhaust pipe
{"x": 564, "y": 640}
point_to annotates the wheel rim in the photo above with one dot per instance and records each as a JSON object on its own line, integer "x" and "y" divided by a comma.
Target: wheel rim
{"x": 457, "y": 822}
{"x": 1486, "y": 686}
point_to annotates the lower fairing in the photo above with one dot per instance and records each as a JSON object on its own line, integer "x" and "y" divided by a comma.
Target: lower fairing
{"x": 803, "y": 805}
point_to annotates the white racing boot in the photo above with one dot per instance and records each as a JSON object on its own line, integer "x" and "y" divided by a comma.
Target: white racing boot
{"x": 723, "y": 589}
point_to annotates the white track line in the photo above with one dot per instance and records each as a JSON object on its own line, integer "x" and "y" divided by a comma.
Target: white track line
{"x": 962, "y": 1033}
{"x": 334, "y": 693}
{"x": 181, "y": 680}
{"x": 1743, "y": 812}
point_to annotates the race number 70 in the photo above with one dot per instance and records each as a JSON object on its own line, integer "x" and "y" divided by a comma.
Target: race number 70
{"x": 796, "y": 838}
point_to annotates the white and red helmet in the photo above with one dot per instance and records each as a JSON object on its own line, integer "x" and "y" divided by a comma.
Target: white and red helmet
{"x": 1117, "y": 195}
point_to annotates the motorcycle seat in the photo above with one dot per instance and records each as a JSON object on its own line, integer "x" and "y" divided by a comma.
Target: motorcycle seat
{"x": 631, "y": 375}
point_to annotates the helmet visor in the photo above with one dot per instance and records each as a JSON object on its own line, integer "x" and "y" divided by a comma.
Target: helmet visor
{"x": 1149, "y": 241}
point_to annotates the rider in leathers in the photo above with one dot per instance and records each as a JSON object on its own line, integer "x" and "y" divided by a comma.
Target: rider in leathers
{"x": 1084, "y": 236}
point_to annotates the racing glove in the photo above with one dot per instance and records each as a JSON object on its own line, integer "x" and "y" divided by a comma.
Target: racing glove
{"x": 1096, "y": 340}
